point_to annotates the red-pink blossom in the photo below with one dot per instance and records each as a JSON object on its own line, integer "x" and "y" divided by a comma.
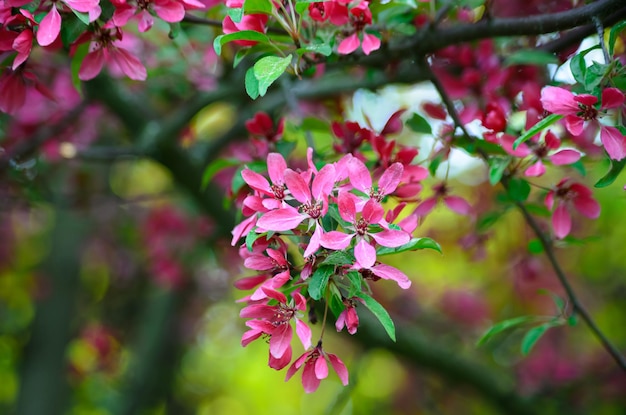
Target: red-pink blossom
{"x": 316, "y": 368}
{"x": 566, "y": 196}
{"x": 580, "y": 110}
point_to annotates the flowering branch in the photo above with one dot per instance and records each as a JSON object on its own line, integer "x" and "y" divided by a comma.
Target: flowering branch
{"x": 545, "y": 242}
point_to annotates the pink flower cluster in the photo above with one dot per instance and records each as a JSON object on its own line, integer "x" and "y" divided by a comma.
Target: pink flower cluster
{"x": 334, "y": 210}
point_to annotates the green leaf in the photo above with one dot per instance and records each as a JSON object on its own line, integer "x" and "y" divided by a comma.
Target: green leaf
{"x": 487, "y": 220}
{"x": 251, "y": 237}
{"x": 595, "y": 74}
{"x": 535, "y": 129}
{"x": 558, "y": 301}
{"x": 221, "y": 40}
{"x": 355, "y": 283}
{"x": 497, "y": 166}
{"x": 336, "y": 304}
{"x": 321, "y": 48}
{"x": 533, "y": 336}
{"x": 611, "y": 175}
{"x": 251, "y": 83}
{"x": 518, "y": 189}
{"x": 83, "y": 17}
{"x": 615, "y": 31}
{"x": 257, "y": 6}
{"x": 338, "y": 258}
{"x": 381, "y": 314}
{"x": 412, "y": 245}
{"x": 174, "y": 30}
{"x": 71, "y": 29}
{"x": 268, "y": 69}
{"x": 505, "y": 325}
{"x": 535, "y": 246}
{"x": 215, "y": 167}
{"x": 419, "y": 124}
{"x": 531, "y": 57}
{"x": 235, "y": 14}
{"x": 578, "y": 65}
{"x": 434, "y": 164}
{"x": 319, "y": 281}
{"x": 77, "y": 60}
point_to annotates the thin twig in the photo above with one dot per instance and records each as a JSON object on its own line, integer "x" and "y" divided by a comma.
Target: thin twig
{"x": 600, "y": 31}
{"x": 545, "y": 242}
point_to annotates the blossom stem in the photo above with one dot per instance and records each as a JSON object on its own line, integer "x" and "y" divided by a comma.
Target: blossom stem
{"x": 324, "y": 320}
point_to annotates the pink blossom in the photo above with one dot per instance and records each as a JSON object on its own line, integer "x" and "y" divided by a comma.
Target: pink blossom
{"x": 348, "y": 317}
{"x": 365, "y": 264}
{"x": 360, "y": 16}
{"x": 454, "y": 203}
{"x": 274, "y": 320}
{"x": 580, "y": 110}
{"x": 567, "y": 196}
{"x": 316, "y": 368}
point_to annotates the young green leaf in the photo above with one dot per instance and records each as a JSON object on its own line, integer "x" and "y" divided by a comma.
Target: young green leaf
{"x": 611, "y": 175}
{"x": 252, "y": 35}
{"x": 506, "y": 325}
{"x": 535, "y": 129}
{"x": 338, "y": 258}
{"x": 381, "y": 314}
{"x": 534, "y": 335}
{"x": 319, "y": 281}
{"x": 251, "y": 83}
{"x": 268, "y": 69}
{"x": 615, "y": 31}
{"x": 497, "y": 166}
{"x": 531, "y": 57}
{"x": 419, "y": 124}
{"x": 413, "y": 245}
{"x": 215, "y": 167}
{"x": 518, "y": 189}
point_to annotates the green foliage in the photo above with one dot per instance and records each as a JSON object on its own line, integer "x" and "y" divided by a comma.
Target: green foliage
{"x": 268, "y": 69}
{"x": 537, "y": 128}
{"x": 612, "y": 174}
{"x": 319, "y": 281}
{"x": 419, "y": 124}
{"x": 249, "y": 35}
{"x": 497, "y": 167}
{"x": 413, "y": 245}
{"x": 531, "y": 57}
{"x": 380, "y": 313}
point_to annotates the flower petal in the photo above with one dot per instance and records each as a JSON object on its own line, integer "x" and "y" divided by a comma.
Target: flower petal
{"x": 279, "y": 220}
{"x": 304, "y": 333}
{"x": 536, "y": 170}
{"x": 349, "y": 44}
{"x": 614, "y": 142}
{"x": 388, "y": 272}
{"x": 612, "y": 98}
{"x": 561, "y": 222}
{"x": 365, "y": 254}
{"x": 566, "y": 156}
{"x": 339, "y": 367}
{"x": 336, "y": 240}
{"x": 49, "y": 28}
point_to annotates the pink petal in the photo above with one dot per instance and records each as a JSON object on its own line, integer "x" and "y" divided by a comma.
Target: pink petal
{"x": 336, "y": 240}
{"x": 249, "y": 336}
{"x": 390, "y": 179}
{"x": 321, "y": 368}
{"x": 296, "y": 365}
{"x": 169, "y": 10}
{"x": 300, "y": 301}
{"x": 279, "y": 220}
{"x": 426, "y": 206}
{"x": 614, "y": 142}
{"x": 339, "y": 367}
{"x": 349, "y": 44}
{"x": 587, "y": 206}
{"x": 536, "y": 170}
{"x": 310, "y": 382}
{"x": 129, "y": 64}
{"x": 388, "y": 272}
{"x": 83, "y": 6}
{"x": 304, "y": 333}
{"x": 370, "y": 43}
{"x": 279, "y": 364}
{"x": 507, "y": 140}
{"x": 347, "y": 207}
{"x": 146, "y": 21}
{"x": 276, "y": 167}
{"x": 276, "y": 295}
{"x": 243, "y": 228}
{"x": 612, "y": 98}
{"x": 249, "y": 283}
{"x": 281, "y": 341}
{"x": 122, "y": 14}
{"x": 359, "y": 175}
{"x": 574, "y": 124}
{"x": 314, "y": 242}
{"x": 256, "y": 181}
{"x": 23, "y": 44}
{"x": 92, "y": 65}
{"x": 297, "y": 186}
{"x": 549, "y": 200}
{"x": 260, "y": 311}
{"x": 49, "y": 27}
{"x": 323, "y": 182}
{"x": 373, "y": 212}
{"x": 561, "y": 222}
{"x": 391, "y": 238}
{"x": 566, "y": 156}
{"x": 558, "y": 100}
{"x": 341, "y": 320}
{"x": 365, "y": 254}
{"x": 259, "y": 263}
{"x": 458, "y": 204}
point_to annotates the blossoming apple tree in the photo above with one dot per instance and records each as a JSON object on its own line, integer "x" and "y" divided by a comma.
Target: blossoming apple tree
{"x": 315, "y": 222}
